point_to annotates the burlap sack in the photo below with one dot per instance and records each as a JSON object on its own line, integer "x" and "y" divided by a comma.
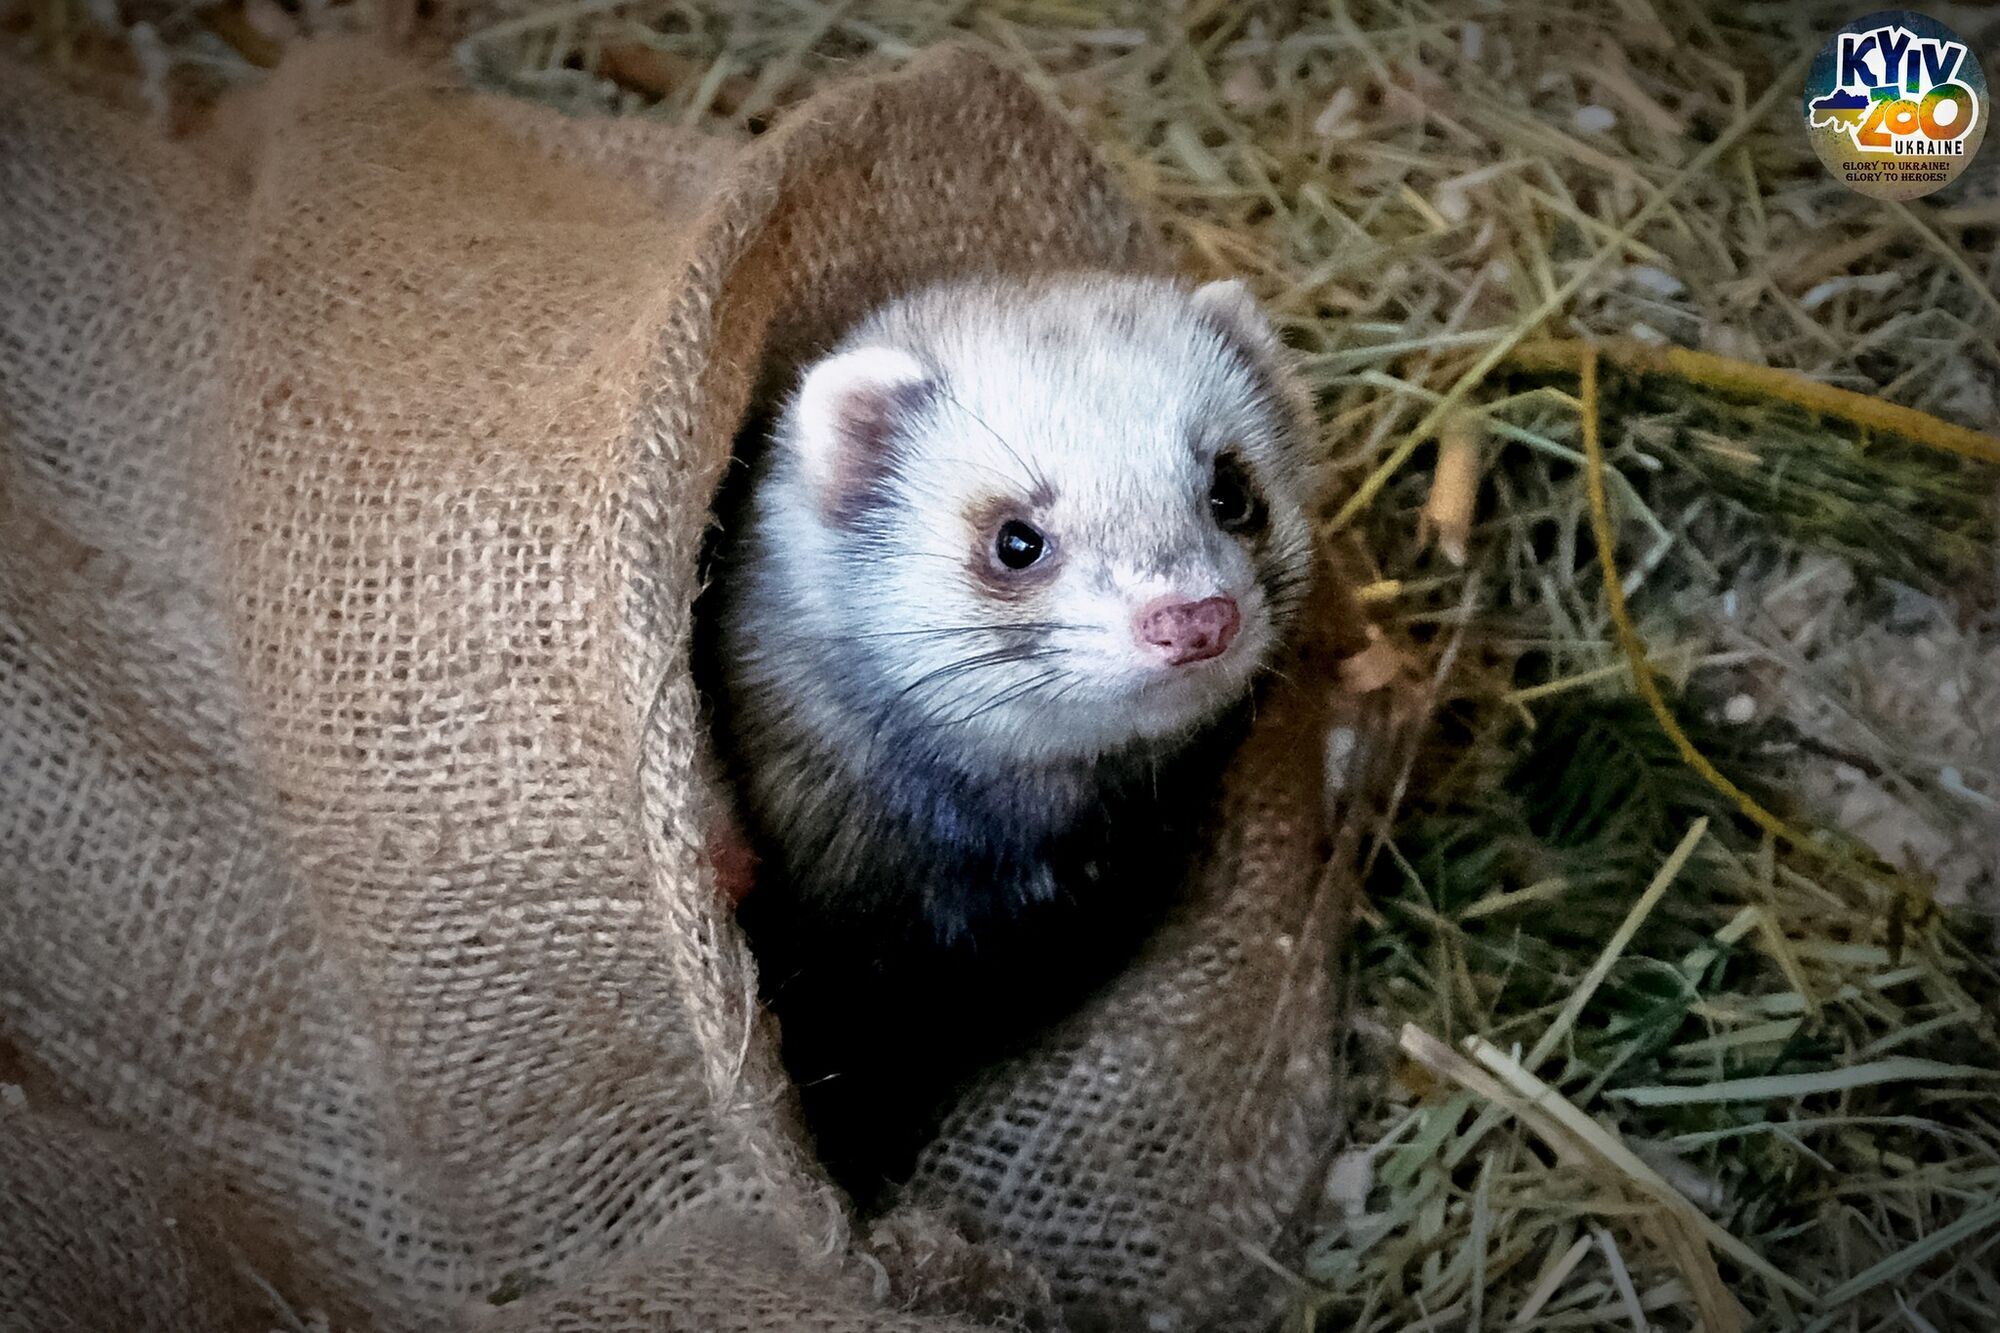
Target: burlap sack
{"x": 357, "y": 957}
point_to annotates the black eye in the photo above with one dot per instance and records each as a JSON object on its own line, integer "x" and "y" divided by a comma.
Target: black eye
{"x": 1233, "y": 499}
{"x": 1018, "y": 545}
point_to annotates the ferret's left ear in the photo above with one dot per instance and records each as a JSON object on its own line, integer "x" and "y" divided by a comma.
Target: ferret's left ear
{"x": 1230, "y": 304}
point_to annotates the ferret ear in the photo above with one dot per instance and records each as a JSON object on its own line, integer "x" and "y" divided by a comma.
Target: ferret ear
{"x": 1236, "y": 312}
{"x": 845, "y": 422}
{"x": 1231, "y": 305}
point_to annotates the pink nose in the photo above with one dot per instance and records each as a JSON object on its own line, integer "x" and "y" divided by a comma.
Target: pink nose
{"x": 1188, "y": 631}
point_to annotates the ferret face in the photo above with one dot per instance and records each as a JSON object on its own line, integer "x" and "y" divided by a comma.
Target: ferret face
{"x": 1045, "y": 522}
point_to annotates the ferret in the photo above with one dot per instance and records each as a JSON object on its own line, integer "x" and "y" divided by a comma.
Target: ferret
{"x": 986, "y": 619}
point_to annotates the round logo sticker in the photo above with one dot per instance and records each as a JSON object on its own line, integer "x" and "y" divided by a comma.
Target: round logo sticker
{"x": 1896, "y": 105}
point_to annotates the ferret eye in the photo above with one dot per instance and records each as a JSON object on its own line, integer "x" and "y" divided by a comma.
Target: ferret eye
{"x": 1018, "y": 545}
{"x": 1233, "y": 499}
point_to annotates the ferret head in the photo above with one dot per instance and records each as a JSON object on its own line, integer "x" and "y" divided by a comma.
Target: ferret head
{"x": 1044, "y": 521}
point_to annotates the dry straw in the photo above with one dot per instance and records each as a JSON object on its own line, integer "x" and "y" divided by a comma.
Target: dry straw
{"x": 1643, "y": 1039}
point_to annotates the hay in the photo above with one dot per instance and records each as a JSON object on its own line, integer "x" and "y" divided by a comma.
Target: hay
{"x": 1622, "y": 1057}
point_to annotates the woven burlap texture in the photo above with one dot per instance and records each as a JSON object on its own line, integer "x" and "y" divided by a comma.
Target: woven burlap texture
{"x": 357, "y": 954}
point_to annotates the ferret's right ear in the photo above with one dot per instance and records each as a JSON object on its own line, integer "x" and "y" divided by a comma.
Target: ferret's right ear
{"x": 846, "y": 421}
{"x": 1231, "y": 305}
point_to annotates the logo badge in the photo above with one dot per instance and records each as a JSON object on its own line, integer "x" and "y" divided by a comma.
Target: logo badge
{"x": 1896, "y": 105}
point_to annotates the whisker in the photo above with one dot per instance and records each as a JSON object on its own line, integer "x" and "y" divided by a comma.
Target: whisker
{"x": 942, "y": 631}
{"x": 1003, "y": 699}
{"x": 1035, "y": 475}
{"x": 975, "y": 662}
{"x": 1006, "y": 635}
{"x": 1077, "y": 682}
